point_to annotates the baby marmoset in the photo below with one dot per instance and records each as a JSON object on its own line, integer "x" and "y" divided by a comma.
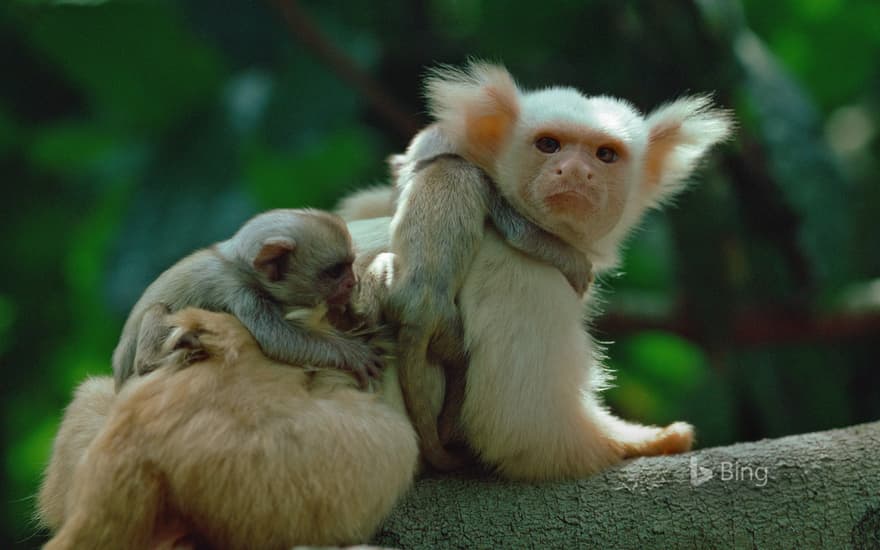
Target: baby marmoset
{"x": 279, "y": 262}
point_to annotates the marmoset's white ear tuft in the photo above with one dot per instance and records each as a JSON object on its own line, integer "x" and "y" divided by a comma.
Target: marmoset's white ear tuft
{"x": 679, "y": 134}
{"x": 477, "y": 107}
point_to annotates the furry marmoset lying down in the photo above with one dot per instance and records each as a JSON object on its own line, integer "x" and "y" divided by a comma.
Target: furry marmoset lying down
{"x": 223, "y": 447}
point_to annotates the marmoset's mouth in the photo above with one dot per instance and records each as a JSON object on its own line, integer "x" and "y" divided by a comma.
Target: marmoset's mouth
{"x": 569, "y": 200}
{"x": 573, "y": 193}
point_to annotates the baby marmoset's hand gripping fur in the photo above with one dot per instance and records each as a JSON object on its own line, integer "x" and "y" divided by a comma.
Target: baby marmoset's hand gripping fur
{"x": 278, "y": 262}
{"x": 221, "y": 447}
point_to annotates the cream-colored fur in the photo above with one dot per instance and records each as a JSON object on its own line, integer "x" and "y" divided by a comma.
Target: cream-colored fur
{"x": 533, "y": 407}
{"x": 242, "y": 451}
{"x": 83, "y": 419}
{"x": 372, "y": 202}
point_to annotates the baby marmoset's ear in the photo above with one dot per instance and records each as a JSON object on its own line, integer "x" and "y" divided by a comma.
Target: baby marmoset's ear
{"x": 274, "y": 256}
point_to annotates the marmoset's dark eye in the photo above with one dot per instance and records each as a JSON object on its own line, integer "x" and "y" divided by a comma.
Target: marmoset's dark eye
{"x": 547, "y": 145}
{"x": 606, "y": 154}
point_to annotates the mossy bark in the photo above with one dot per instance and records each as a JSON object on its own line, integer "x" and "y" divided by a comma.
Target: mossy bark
{"x": 818, "y": 490}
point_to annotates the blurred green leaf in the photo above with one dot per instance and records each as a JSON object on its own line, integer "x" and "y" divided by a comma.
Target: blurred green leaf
{"x": 666, "y": 358}
{"x": 28, "y": 455}
{"x": 69, "y": 148}
{"x": 84, "y": 263}
{"x": 8, "y": 132}
{"x": 635, "y": 399}
{"x": 7, "y": 318}
{"x": 648, "y": 256}
{"x": 77, "y": 149}
{"x": 317, "y": 176}
{"x": 655, "y": 374}
{"x": 301, "y": 111}
{"x": 782, "y": 379}
{"x": 460, "y": 20}
{"x": 662, "y": 378}
{"x": 813, "y": 38}
{"x": 801, "y": 161}
{"x": 140, "y": 66}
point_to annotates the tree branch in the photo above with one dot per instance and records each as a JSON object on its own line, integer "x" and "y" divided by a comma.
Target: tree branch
{"x": 819, "y": 490}
{"x": 767, "y": 212}
{"x": 754, "y": 328}
{"x": 307, "y": 32}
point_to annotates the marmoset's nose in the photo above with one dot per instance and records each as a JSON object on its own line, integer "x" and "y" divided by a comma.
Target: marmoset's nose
{"x": 574, "y": 170}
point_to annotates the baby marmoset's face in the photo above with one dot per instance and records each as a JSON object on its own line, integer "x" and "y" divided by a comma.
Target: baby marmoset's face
{"x": 306, "y": 259}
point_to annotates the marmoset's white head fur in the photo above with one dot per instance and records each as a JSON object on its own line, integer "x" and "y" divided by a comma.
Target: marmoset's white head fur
{"x": 584, "y": 168}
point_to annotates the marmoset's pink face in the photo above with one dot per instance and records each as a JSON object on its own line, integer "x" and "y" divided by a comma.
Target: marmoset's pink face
{"x": 584, "y": 168}
{"x": 572, "y": 172}
{"x": 574, "y": 179}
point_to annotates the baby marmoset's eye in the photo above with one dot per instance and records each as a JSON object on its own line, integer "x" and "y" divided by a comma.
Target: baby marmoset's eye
{"x": 336, "y": 270}
{"x": 606, "y": 154}
{"x": 547, "y": 144}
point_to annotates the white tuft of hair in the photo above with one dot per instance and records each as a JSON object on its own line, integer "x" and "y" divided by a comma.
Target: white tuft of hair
{"x": 691, "y": 126}
{"x": 461, "y": 100}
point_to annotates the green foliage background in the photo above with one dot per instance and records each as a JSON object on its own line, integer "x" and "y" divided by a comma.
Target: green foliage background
{"x": 134, "y": 132}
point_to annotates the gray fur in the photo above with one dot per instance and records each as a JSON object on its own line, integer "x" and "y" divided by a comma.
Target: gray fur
{"x": 223, "y": 278}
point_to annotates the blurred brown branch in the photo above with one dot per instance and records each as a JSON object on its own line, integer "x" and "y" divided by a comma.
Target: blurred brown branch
{"x": 767, "y": 212}
{"x": 754, "y": 328}
{"x": 306, "y": 31}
